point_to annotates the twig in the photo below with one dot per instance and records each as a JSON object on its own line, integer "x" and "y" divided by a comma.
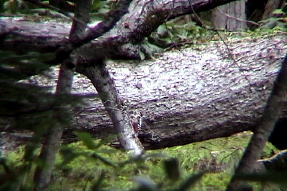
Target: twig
{"x": 230, "y": 55}
{"x": 237, "y": 19}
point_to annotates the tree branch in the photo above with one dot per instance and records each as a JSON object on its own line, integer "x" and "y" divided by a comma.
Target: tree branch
{"x": 104, "y": 84}
{"x": 265, "y": 127}
{"x": 129, "y": 23}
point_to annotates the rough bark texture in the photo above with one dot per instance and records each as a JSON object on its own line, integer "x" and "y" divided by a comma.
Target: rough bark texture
{"x": 262, "y": 132}
{"x": 196, "y": 94}
{"x": 53, "y": 137}
{"x": 52, "y": 141}
{"x": 193, "y": 95}
{"x": 143, "y": 18}
{"x": 230, "y": 17}
{"x": 104, "y": 84}
{"x": 122, "y": 42}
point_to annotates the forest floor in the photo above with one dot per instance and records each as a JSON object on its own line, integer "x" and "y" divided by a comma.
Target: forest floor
{"x": 217, "y": 157}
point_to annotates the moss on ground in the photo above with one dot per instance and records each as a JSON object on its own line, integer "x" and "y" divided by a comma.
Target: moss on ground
{"x": 78, "y": 167}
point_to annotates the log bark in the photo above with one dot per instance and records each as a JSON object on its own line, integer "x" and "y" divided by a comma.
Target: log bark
{"x": 261, "y": 134}
{"x": 196, "y": 94}
{"x": 143, "y": 18}
{"x": 185, "y": 96}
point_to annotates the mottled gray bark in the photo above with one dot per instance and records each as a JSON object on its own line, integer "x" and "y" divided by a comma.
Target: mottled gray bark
{"x": 103, "y": 83}
{"x": 230, "y": 17}
{"x": 191, "y": 95}
{"x": 262, "y": 132}
{"x": 142, "y": 19}
{"x": 195, "y": 98}
{"x": 105, "y": 86}
{"x": 53, "y": 137}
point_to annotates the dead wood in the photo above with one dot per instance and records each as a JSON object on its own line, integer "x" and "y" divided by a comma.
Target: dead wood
{"x": 143, "y": 17}
{"x": 262, "y": 133}
{"x": 185, "y": 96}
{"x": 190, "y": 95}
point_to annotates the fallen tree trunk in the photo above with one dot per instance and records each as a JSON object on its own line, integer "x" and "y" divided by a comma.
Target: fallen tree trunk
{"x": 120, "y": 40}
{"x": 196, "y": 94}
{"x": 191, "y": 95}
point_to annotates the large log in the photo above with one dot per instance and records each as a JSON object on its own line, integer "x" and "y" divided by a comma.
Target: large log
{"x": 24, "y": 35}
{"x": 198, "y": 93}
{"x": 193, "y": 94}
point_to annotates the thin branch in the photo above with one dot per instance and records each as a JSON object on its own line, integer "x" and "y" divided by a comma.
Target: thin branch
{"x": 107, "y": 24}
{"x": 264, "y": 129}
{"x": 238, "y": 19}
{"x": 230, "y": 54}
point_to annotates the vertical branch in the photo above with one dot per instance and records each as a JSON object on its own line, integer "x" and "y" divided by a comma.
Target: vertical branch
{"x": 52, "y": 140}
{"x": 263, "y": 131}
{"x": 104, "y": 84}
{"x": 82, "y": 13}
{"x": 51, "y": 144}
{"x": 270, "y": 7}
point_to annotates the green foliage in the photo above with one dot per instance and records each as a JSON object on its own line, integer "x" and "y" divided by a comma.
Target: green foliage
{"x": 175, "y": 34}
{"x": 16, "y": 7}
{"x": 87, "y": 139}
{"x": 278, "y": 20}
{"x": 99, "y": 6}
{"x": 27, "y": 107}
{"x": 92, "y": 165}
{"x": 13, "y": 6}
{"x": 20, "y": 66}
{"x": 148, "y": 50}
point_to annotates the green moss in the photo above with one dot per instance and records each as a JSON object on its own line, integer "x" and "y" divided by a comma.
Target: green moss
{"x": 217, "y": 157}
